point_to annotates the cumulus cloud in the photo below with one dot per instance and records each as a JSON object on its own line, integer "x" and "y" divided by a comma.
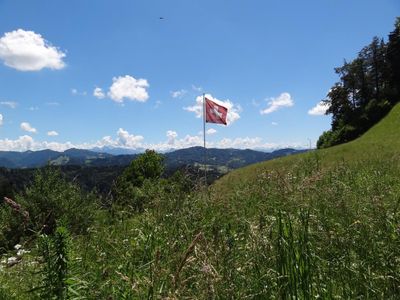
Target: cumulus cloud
{"x": 127, "y": 87}
{"x": 129, "y": 140}
{"x": 240, "y": 143}
{"x": 171, "y": 137}
{"x": 52, "y": 133}
{"x": 98, "y": 93}
{"x": 233, "y": 109}
{"x": 319, "y": 109}
{"x": 174, "y": 143}
{"x": 178, "y": 94}
{"x": 10, "y": 104}
{"x": 23, "y": 143}
{"x": 29, "y": 51}
{"x": 283, "y": 100}
{"x": 1, "y": 119}
{"x": 27, "y": 127}
{"x": 124, "y": 139}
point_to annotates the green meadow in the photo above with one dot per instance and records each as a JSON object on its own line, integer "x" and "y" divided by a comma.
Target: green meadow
{"x": 323, "y": 224}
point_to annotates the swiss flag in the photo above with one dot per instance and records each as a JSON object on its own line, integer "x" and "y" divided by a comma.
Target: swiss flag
{"x": 215, "y": 113}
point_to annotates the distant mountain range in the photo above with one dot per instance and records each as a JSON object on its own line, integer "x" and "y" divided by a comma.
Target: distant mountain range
{"x": 219, "y": 158}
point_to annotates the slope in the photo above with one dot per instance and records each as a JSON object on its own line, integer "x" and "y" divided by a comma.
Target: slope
{"x": 380, "y": 143}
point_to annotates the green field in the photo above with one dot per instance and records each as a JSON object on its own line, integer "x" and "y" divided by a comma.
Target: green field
{"x": 324, "y": 224}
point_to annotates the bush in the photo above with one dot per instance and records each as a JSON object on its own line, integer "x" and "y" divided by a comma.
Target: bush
{"x": 51, "y": 199}
{"x": 148, "y": 165}
{"x": 11, "y": 228}
{"x": 140, "y": 181}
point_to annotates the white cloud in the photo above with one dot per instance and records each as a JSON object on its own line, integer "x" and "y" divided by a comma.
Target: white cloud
{"x": 129, "y": 140}
{"x": 10, "y": 104}
{"x": 33, "y": 108}
{"x": 74, "y": 91}
{"x": 274, "y": 124}
{"x": 52, "y": 133}
{"x": 127, "y": 87}
{"x": 98, "y": 93}
{"x": 28, "y": 51}
{"x": 319, "y": 109}
{"x": 233, "y": 109}
{"x": 240, "y": 143}
{"x": 171, "y": 137}
{"x": 124, "y": 139}
{"x": 283, "y": 100}
{"x": 23, "y": 143}
{"x": 27, "y": 127}
{"x": 174, "y": 143}
{"x": 211, "y": 131}
{"x": 178, "y": 94}
{"x": 1, "y": 119}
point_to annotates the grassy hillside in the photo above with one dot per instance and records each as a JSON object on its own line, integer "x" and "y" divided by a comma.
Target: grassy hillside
{"x": 320, "y": 225}
{"x": 380, "y": 143}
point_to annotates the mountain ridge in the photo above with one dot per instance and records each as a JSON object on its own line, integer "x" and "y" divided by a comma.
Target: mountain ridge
{"x": 230, "y": 157}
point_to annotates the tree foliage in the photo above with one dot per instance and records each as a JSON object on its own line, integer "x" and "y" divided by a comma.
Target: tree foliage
{"x": 138, "y": 183}
{"x": 368, "y": 88}
{"x": 149, "y": 165}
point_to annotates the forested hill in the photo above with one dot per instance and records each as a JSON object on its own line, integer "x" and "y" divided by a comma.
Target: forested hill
{"x": 229, "y": 158}
{"x": 368, "y": 87}
{"x": 93, "y": 170}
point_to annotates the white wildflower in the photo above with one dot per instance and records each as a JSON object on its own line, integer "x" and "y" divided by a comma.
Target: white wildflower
{"x": 17, "y": 247}
{"x": 22, "y": 252}
{"x": 11, "y": 260}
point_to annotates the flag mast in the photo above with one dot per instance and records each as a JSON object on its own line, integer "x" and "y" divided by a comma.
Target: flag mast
{"x": 204, "y": 139}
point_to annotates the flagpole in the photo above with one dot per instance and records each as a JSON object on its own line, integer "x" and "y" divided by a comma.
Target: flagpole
{"x": 204, "y": 139}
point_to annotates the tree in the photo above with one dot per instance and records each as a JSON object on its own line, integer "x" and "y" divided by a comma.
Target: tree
{"x": 139, "y": 180}
{"x": 393, "y": 56}
{"x": 367, "y": 88}
{"x": 148, "y": 165}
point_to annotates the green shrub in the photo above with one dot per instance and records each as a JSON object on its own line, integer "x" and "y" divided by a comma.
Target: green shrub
{"x": 51, "y": 199}
{"x": 138, "y": 183}
{"x": 12, "y": 227}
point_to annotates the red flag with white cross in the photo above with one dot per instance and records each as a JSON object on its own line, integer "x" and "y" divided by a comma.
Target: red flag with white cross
{"x": 215, "y": 113}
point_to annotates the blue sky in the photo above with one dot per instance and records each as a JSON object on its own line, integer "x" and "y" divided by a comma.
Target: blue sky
{"x": 113, "y": 73}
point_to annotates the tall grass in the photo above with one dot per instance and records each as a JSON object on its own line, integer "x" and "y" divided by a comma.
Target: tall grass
{"x": 299, "y": 233}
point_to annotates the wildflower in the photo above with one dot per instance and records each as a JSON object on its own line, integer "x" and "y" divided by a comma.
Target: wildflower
{"x": 11, "y": 260}
{"x": 17, "y": 247}
{"x": 22, "y": 252}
